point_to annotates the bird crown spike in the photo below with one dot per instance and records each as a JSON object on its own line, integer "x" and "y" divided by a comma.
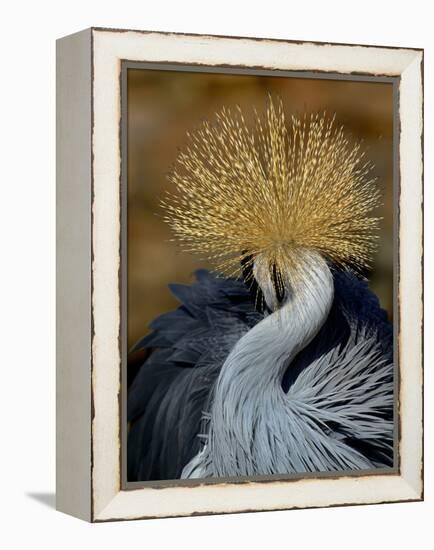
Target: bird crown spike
{"x": 273, "y": 190}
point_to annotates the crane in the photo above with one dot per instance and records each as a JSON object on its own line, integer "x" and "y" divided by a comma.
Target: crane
{"x": 280, "y": 360}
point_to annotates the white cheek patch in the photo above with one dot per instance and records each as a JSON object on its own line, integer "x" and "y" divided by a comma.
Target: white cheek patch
{"x": 261, "y": 272}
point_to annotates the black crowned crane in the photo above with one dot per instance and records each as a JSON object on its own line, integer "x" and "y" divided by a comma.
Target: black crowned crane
{"x": 282, "y": 361}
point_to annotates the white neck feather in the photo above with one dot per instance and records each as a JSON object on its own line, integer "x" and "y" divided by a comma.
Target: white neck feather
{"x": 249, "y": 389}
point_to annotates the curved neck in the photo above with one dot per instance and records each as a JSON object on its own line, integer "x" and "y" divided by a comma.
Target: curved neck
{"x": 270, "y": 346}
{"x": 248, "y": 389}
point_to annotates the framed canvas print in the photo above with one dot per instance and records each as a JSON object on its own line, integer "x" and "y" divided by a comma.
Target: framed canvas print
{"x": 239, "y": 267}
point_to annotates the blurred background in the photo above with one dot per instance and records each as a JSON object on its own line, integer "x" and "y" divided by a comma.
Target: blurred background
{"x": 164, "y": 105}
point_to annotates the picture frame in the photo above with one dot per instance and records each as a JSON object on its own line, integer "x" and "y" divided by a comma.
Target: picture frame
{"x": 91, "y": 300}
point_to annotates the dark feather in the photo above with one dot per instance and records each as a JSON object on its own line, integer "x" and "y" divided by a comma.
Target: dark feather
{"x": 170, "y": 392}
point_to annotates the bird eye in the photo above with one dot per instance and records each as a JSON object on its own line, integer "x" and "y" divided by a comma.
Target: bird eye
{"x": 279, "y": 288}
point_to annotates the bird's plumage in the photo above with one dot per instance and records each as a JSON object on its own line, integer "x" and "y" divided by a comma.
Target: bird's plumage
{"x": 171, "y": 393}
{"x": 271, "y": 190}
{"x": 305, "y": 381}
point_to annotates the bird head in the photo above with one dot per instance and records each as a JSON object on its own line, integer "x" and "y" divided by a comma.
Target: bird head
{"x": 273, "y": 197}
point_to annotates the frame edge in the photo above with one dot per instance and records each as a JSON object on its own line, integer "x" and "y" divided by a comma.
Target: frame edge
{"x": 73, "y": 275}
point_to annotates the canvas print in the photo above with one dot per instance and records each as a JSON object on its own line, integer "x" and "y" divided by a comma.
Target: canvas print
{"x": 260, "y": 268}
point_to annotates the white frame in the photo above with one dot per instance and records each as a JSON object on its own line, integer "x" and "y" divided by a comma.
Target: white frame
{"x": 88, "y": 465}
